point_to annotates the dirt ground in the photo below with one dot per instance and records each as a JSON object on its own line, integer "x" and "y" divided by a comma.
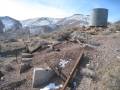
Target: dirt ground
{"x": 99, "y": 57}
{"x": 104, "y": 57}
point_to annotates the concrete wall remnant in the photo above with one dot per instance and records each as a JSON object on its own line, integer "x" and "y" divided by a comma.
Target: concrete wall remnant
{"x": 41, "y": 76}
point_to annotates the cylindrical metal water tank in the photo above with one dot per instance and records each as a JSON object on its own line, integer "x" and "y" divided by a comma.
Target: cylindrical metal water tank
{"x": 99, "y": 17}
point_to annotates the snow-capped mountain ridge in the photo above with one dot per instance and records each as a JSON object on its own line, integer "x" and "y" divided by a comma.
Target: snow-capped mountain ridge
{"x": 43, "y": 24}
{"x": 52, "y": 24}
{"x": 10, "y": 23}
{"x": 39, "y": 21}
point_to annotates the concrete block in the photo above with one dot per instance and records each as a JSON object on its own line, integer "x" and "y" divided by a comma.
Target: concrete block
{"x": 41, "y": 76}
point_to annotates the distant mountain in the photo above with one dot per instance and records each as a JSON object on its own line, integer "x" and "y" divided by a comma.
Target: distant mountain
{"x": 76, "y": 20}
{"x": 39, "y": 21}
{"x": 46, "y": 24}
{"x": 40, "y": 25}
{"x": 10, "y": 23}
{"x": 13, "y": 28}
{"x": 1, "y": 27}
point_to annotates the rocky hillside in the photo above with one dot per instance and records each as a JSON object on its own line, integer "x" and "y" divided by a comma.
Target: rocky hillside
{"x": 1, "y": 27}
{"x": 76, "y": 19}
{"x": 10, "y": 23}
{"x": 13, "y": 28}
{"x": 39, "y": 21}
{"x": 46, "y": 24}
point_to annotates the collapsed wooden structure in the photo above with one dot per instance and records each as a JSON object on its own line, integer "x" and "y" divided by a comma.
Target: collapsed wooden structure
{"x": 67, "y": 79}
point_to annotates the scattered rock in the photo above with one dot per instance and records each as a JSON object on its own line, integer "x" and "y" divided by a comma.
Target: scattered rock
{"x": 118, "y": 50}
{"x": 94, "y": 43}
{"x": 87, "y": 72}
{"x": 82, "y": 37}
{"x": 90, "y": 66}
{"x": 118, "y": 57}
{"x": 89, "y": 47}
{"x": 107, "y": 32}
{"x": 62, "y": 36}
{"x": 52, "y": 48}
{"x": 114, "y": 27}
{"x": 2, "y": 78}
{"x": 34, "y": 46}
{"x": 57, "y": 49}
{"x": 56, "y": 43}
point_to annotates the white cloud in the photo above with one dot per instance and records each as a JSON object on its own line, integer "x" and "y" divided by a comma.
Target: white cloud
{"x": 21, "y": 10}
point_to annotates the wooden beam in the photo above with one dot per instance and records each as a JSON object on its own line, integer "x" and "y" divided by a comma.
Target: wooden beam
{"x": 73, "y": 69}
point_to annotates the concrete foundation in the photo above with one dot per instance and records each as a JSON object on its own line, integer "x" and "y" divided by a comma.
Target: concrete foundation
{"x": 41, "y": 76}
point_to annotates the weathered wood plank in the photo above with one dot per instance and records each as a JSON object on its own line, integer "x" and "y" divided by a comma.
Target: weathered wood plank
{"x": 73, "y": 69}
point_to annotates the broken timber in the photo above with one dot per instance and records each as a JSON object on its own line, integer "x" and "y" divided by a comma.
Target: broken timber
{"x": 73, "y": 69}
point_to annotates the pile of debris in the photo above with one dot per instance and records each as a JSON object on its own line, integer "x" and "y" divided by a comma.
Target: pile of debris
{"x": 63, "y": 66}
{"x": 54, "y": 65}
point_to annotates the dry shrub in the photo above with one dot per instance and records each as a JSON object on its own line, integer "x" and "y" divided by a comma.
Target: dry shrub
{"x": 114, "y": 27}
{"x": 111, "y": 78}
{"x": 61, "y": 35}
{"x": 9, "y": 68}
{"x": 13, "y": 85}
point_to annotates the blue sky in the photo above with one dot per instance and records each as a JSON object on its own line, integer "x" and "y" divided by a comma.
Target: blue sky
{"x": 24, "y": 9}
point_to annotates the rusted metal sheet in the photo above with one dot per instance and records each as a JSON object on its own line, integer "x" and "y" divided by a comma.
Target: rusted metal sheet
{"x": 73, "y": 69}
